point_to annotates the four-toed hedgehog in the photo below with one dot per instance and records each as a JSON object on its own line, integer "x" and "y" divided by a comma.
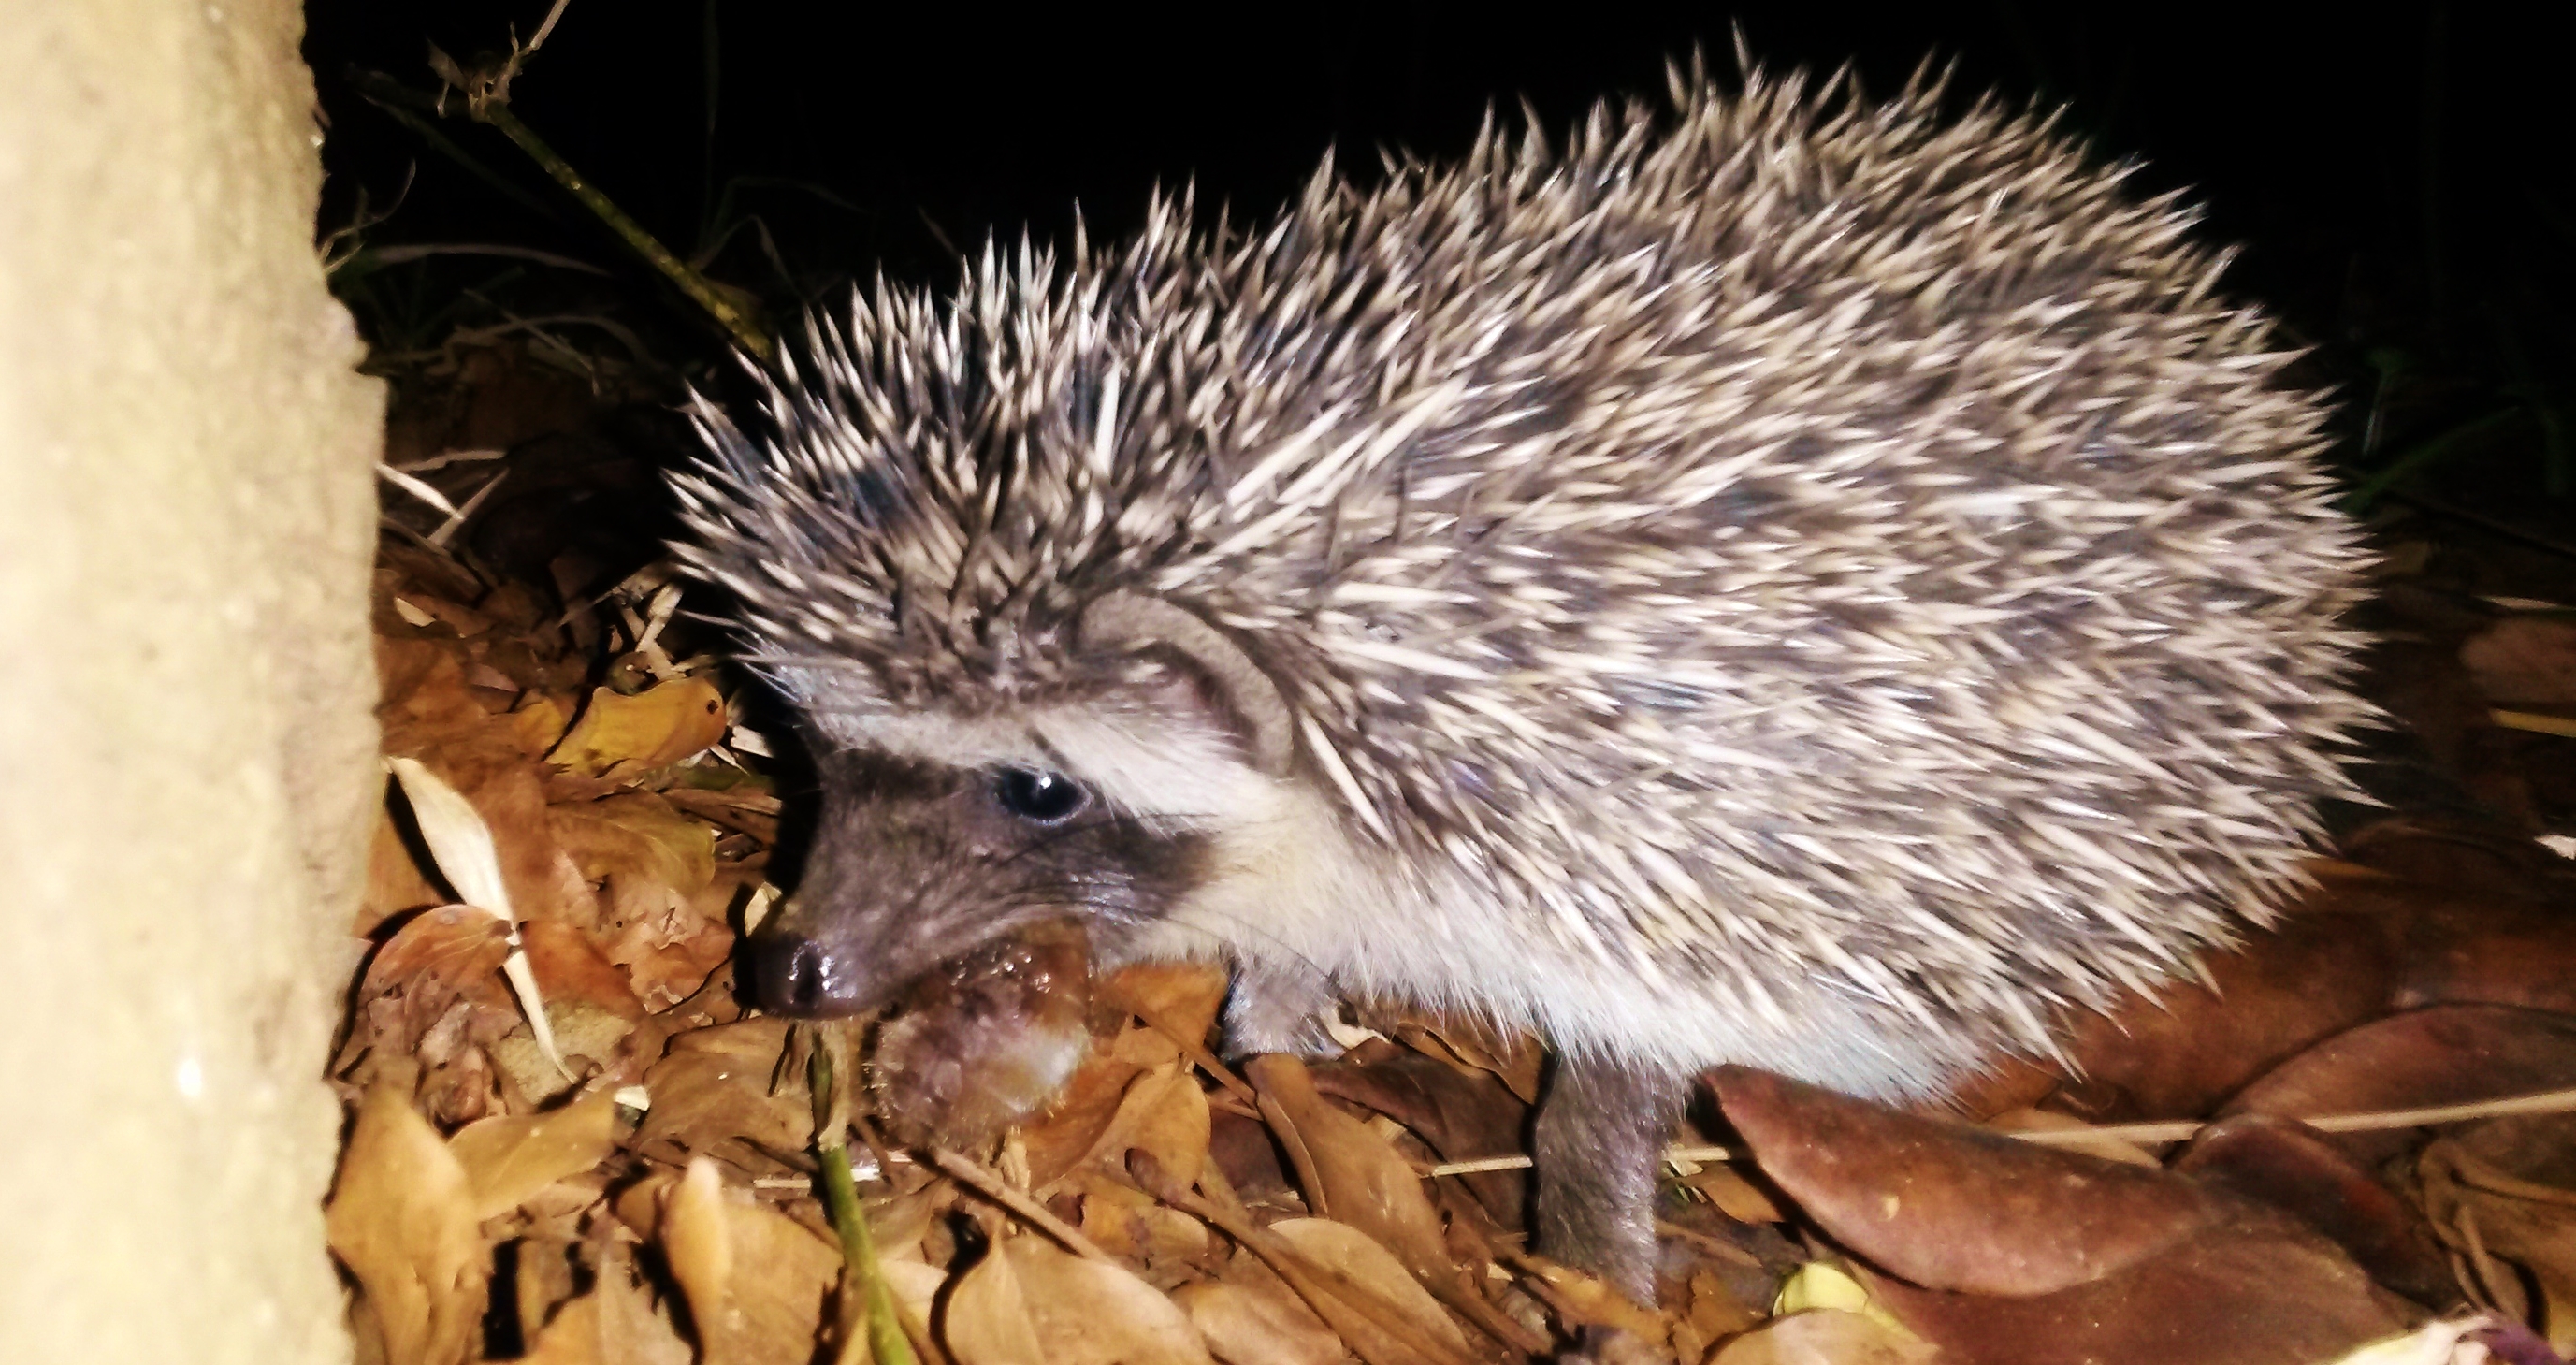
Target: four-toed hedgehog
{"x": 1791, "y": 579}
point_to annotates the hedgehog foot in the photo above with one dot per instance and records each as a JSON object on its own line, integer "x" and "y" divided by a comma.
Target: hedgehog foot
{"x": 1600, "y": 1133}
{"x": 1280, "y": 1009}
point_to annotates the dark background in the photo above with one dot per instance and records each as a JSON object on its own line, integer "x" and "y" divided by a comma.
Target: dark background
{"x": 2396, "y": 175}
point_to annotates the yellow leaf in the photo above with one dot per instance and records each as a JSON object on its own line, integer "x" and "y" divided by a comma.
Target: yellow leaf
{"x": 651, "y": 729}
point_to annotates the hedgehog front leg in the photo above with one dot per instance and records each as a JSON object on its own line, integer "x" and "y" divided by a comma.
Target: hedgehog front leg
{"x": 1600, "y": 1135}
{"x": 1274, "y": 1008}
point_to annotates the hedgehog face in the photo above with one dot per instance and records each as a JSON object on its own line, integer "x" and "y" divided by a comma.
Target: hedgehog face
{"x": 916, "y": 862}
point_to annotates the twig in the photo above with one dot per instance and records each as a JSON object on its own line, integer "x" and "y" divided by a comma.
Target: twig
{"x": 2180, "y": 1130}
{"x": 1018, "y": 1204}
{"x": 487, "y": 101}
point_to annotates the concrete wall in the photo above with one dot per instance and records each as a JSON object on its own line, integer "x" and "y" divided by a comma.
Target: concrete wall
{"x": 185, "y": 520}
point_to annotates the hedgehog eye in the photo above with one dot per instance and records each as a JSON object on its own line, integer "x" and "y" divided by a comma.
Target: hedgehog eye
{"x": 1041, "y": 798}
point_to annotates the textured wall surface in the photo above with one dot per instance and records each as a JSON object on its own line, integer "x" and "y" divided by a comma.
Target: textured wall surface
{"x": 185, "y": 523}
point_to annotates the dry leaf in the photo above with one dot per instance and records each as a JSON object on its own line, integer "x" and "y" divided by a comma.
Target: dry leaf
{"x": 1825, "y": 1336}
{"x": 1365, "y": 1260}
{"x": 1180, "y": 998}
{"x": 2524, "y": 660}
{"x": 1164, "y": 1113}
{"x": 402, "y": 1219}
{"x": 509, "y": 1158}
{"x": 711, "y": 1095}
{"x": 1365, "y": 1181}
{"x": 756, "y": 1280}
{"x": 1258, "y": 1322}
{"x": 651, "y": 729}
{"x": 1733, "y": 1195}
{"x": 1026, "y": 1303}
{"x": 1072, "y": 1127}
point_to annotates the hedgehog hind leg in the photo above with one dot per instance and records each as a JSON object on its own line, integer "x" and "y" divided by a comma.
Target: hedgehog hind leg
{"x": 1280, "y": 1008}
{"x": 1597, "y": 1144}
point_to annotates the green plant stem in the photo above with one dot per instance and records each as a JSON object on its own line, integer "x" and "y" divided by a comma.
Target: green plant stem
{"x": 740, "y": 328}
{"x": 886, "y": 1341}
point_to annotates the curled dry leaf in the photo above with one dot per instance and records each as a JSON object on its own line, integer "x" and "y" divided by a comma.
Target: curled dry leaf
{"x": 2295, "y": 1168}
{"x": 1026, "y": 1303}
{"x": 651, "y": 729}
{"x": 1515, "y": 1059}
{"x": 755, "y": 1278}
{"x": 438, "y": 960}
{"x": 508, "y": 1158}
{"x": 2043, "y": 1256}
{"x": 2439, "y": 1055}
{"x": 2494, "y": 1220}
{"x": 402, "y": 1219}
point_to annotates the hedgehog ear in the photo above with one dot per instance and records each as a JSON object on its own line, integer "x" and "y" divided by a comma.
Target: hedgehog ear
{"x": 1126, "y": 620}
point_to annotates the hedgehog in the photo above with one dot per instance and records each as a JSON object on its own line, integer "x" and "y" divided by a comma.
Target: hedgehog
{"x": 1784, "y": 578}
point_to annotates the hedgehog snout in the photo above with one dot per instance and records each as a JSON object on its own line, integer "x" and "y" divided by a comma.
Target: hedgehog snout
{"x": 798, "y": 976}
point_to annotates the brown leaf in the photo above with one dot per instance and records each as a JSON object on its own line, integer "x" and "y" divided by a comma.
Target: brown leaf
{"x": 571, "y": 1338}
{"x": 2489, "y": 1210}
{"x": 438, "y": 976}
{"x": 635, "y": 835}
{"x": 2449, "y": 1054}
{"x": 755, "y": 1279}
{"x": 538, "y": 723}
{"x": 402, "y": 1219}
{"x": 1893, "y": 1187}
{"x": 1128, "y": 1223}
{"x": 396, "y": 882}
{"x": 1515, "y": 1059}
{"x": 1259, "y": 1323}
{"x": 2524, "y": 660}
{"x": 1164, "y": 1113}
{"x": 651, "y": 729}
{"x": 571, "y": 970}
{"x": 2324, "y": 969}
{"x": 1366, "y": 1260}
{"x": 2064, "y": 1256}
{"x": 711, "y": 1095}
{"x": 1462, "y": 1114}
{"x": 2294, "y": 1168}
{"x": 1027, "y": 1303}
{"x": 509, "y": 1158}
{"x": 1180, "y": 998}
{"x": 1073, "y": 1125}
{"x": 1364, "y": 1181}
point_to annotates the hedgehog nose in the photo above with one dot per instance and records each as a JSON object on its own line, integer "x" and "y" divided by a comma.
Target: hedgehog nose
{"x": 794, "y": 975}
